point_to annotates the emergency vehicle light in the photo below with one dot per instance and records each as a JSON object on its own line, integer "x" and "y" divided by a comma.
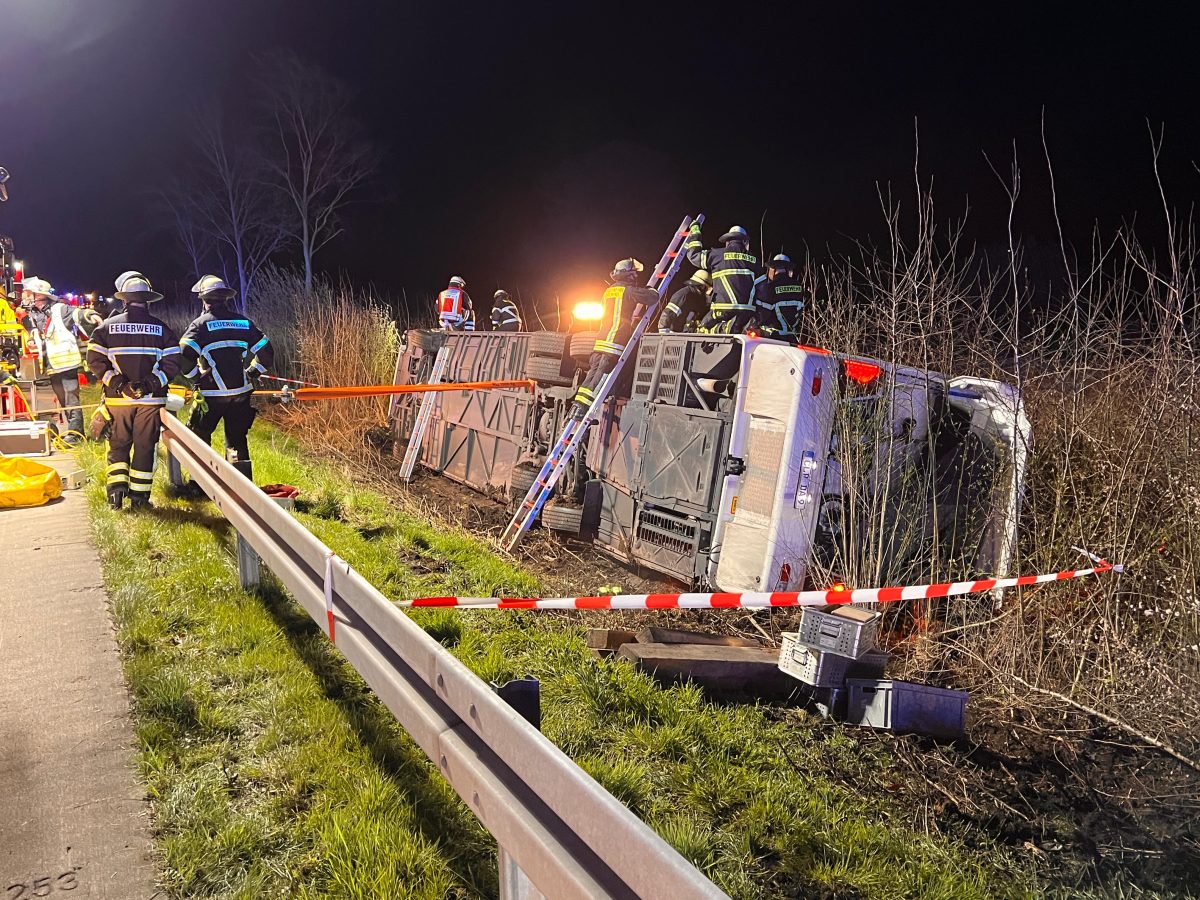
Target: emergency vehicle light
{"x": 588, "y": 311}
{"x": 861, "y": 372}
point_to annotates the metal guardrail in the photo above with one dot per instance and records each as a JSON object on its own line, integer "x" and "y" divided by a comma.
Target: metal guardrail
{"x": 565, "y": 832}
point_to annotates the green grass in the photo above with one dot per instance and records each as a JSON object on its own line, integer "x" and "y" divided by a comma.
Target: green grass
{"x": 274, "y": 772}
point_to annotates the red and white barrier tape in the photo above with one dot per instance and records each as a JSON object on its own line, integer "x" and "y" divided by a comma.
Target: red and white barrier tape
{"x": 329, "y": 558}
{"x": 762, "y": 600}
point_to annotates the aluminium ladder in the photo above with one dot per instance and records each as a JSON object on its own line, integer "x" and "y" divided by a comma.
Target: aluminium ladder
{"x": 424, "y": 415}
{"x": 558, "y": 458}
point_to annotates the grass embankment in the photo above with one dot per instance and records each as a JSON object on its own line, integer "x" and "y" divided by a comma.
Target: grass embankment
{"x": 274, "y": 772}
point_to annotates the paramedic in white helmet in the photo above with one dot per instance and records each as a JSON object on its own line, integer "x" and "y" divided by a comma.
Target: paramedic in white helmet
{"x": 56, "y": 332}
{"x": 454, "y": 308}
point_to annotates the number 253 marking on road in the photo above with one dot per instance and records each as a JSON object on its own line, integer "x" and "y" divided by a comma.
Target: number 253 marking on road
{"x": 41, "y": 886}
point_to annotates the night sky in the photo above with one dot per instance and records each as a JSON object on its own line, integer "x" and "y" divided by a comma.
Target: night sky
{"x": 529, "y": 147}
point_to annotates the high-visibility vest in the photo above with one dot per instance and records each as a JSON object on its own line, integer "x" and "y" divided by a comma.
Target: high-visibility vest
{"x": 450, "y": 304}
{"x": 62, "y": 350}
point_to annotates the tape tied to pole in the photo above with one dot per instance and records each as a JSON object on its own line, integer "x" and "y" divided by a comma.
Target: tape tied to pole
{"x": 329, "y": 558}
{"x": 767, "y": 600}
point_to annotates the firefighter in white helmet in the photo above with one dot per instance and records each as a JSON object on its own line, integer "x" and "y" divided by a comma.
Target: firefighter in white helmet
{"x": 454, "y": 308}
{"x": 134, "y": 355}
{"x": 625, "y": 302}
{"x": 734, "y": 270}
{"x": 224, "y": 354}
{"x": 780, "y": 300}
{"x": 56, "y": 333}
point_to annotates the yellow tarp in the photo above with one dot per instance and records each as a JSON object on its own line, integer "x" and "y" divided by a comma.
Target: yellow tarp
{"x": 24, "y": 482}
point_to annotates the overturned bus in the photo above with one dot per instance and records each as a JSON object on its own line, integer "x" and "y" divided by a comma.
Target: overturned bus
{"x": 738, "y": 463}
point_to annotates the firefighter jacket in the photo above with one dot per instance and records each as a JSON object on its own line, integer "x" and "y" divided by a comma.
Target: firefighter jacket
{"x": 690, "y": 302}
{"x": 734, "y": 271}
{"x": 55, "y": 331}
{"x": 455, "y": 308}
{"x": 780, "y": 303}
{"x": 222, "y": 351}
{"x": 615, "y": 329}
{"x": 505, "y": 316}
{"x": 134, "y": 355}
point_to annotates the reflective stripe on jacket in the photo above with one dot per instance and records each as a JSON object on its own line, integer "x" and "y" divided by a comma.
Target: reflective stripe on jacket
{"x": 138, "y": 347}
{"x": 733, "y": 271}
{"x": 218, "y": 349}
{"x": 620, "y": 301}
{"x": 62, "y": 349}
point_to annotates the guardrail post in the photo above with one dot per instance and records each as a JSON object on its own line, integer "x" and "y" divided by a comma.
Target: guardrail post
{"x": 515, "y": 884}
{"x": 525, "y": 696}
{"x": 249, "y": 564}
{"x": 248, "y": 561}
{"x": 174, "y": 471}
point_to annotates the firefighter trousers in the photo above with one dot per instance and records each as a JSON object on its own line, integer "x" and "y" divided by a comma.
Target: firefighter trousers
{"x": 66, "y": 391}
{"x": 135, "y": 428}
{"x": 599, "y": 365}
{"x": 238, "y": 415}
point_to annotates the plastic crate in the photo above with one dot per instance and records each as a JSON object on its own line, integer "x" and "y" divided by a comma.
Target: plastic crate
{"x": 906, "y": 708}
{"x": 842, "y": 629}
{"x": 811, "y": 666}
{"x": 870, "y": 665}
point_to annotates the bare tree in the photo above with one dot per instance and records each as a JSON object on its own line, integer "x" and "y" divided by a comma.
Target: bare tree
{"x": 319, "y": 155}
{"x": 231, "y": 202}
{"x": 178, "y": 201}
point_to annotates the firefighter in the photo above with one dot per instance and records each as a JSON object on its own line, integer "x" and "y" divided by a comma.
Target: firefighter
{"x": 224, "y": 354}
{"x": 53, "y": 326}
{"x": 625, "y": 301}
{"x": 734, "y": 270}
{"x": 780, "y": 300}
{"x": 688, "y": 304}
{"x": 455, "y": 311}
{"x": 505, "y": 315}
{"x": 134, "y": 355}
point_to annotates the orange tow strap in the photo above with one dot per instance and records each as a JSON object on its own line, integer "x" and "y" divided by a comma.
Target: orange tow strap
{"x": 384, "y": 390}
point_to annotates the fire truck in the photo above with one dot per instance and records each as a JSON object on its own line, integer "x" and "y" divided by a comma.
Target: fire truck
{"x": 737, "y": 463}
{"x": 12, "y": 334}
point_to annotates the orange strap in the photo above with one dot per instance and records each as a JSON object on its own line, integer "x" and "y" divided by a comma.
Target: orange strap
{"x": 384, "y": 390}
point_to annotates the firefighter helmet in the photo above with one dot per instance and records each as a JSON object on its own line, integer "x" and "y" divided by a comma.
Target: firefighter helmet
{"x": 456, "y": 281}
{"x": 700, "y": 276}
{"x": 39, "y": 287}
{"x": 626, "y": 269}
{"x": 781, "y": 261}
{"x": 736, "y": 233}
{"x": 210, "y": 287}
{"x": 500, "y": 295}
{"x": 134, "y": 287}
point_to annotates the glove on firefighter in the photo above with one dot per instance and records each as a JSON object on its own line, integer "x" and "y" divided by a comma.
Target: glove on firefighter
{"x": 131, "y": 390}
{"x": 149, "y": 386}
{"x": 252, "y": 376}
